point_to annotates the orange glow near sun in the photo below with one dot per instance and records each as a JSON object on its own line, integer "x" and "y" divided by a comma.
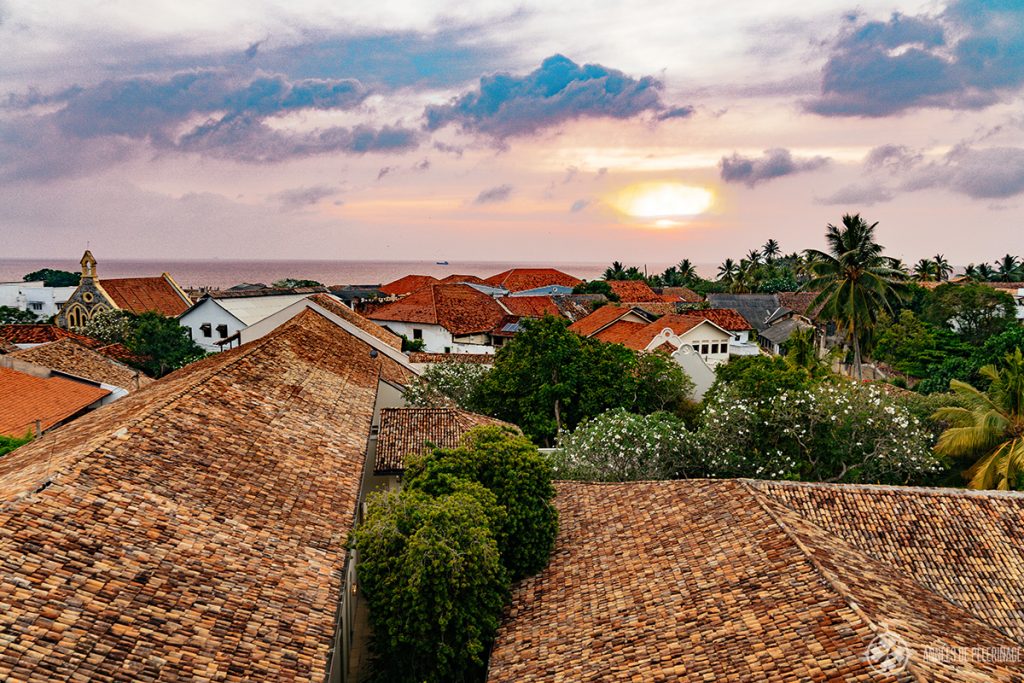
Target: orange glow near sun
{"x": 664, "y": 202}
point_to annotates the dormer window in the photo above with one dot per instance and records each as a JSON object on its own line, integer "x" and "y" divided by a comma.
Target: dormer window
{"x": 222, "y": 330}
{"x": 207, "y": 329}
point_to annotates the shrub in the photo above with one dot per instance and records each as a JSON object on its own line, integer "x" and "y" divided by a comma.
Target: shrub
{"x": 432, "y": 574}
{"x": 448, "y": 383}
{"x": 509, "y": 466}
{"x": 621, "y": 446}
{"x": 9, "y": 443}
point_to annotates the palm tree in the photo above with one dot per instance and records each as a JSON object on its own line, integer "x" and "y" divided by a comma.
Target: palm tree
{"x": 971, "y": 271}
{"x": 898, "y": 265}
{"x": 990, "y": 425}
{"x": 985, "y": 272}
{"x": 754, "y": 256}
{"x": 924, "y": 270}
{"x": 770, "y": 250}
{"x": 687, "y": 271}
{"x": 855, "y": 281}
{"x": 615, "y": 272}
{"x": 633, "y": 273}
{"x": 942, "y": 268}
{"x": 1009, "y": 268}
{"x": 727, "y": 271}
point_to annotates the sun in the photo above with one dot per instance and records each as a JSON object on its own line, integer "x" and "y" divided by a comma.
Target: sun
{"x": 663, "y": 201}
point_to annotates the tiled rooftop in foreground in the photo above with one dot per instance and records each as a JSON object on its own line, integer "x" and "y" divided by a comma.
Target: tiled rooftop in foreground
{"x": 195, "y": 530}
{"x": 753, "y": 581}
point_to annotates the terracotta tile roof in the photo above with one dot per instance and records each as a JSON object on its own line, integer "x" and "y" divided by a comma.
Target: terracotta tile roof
{"x": 625, "y": 332}
{"x": 7, "y": 347}
{"x": 725, "y": 318}
{"x": 262, "y": 291}
{"x": 531, "y": 306}
{"x": 43, "y": 334}
{"x": 408, "y": 284}
{"x": 717, "y": 580}
{"x": 342, "y": 311}
{"x": 800, "y": 302}
{"x": 195, "y": 530}
{"x": 601, "y": 318}
{"x": 406, "y": 431}
{"x": 478, "y": 358}
{"x": 671, "y": 294}
{"x": 460, "y": 309}
{"x": 25, "y": 399}
{"x": 142, "y": 294}
{"x": 463, "y": 278}
{"x": 520, "y": 279}
{"x": 633, "y": 291}
{"x": 68, "y": 356}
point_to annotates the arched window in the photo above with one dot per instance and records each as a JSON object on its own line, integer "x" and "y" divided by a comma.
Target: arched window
{"x": 76, "y": 316}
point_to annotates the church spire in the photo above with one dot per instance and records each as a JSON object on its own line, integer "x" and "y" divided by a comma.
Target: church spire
{"x": 88, "y": 264}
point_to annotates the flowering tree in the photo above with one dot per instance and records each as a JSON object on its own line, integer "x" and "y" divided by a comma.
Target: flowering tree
{"x": 448, "y": 383}
{"x": 830, "y": 432}
{"x": 621, "y": 446}
{"x": 110, "y": 326}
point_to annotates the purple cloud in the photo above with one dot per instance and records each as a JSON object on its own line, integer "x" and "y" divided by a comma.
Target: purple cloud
{"x": 774, "y": 163}
{"x": 992, "y": 173}
{"x": 494, "y": 195}
{"x": 559, "y": 91}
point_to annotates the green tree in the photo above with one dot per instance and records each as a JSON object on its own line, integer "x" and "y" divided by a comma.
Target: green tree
{"x": 942, "y": 269}
{"x": 660, "y": 384}
{"x": 110, "y": 326}
{"x": 163, "y": 343}
{"x": 293, "y": 283}
{"x": 548, "y": 379}
{"x": 431, "y": 571}
{"x": 771, "y": 250}
{"x": 1009, "y": 269}
{"x": 508, "y": 465}
{"x": 616, "y": 271}
{"x": 856, "y": 282}
{"x": 15, "y": 316}
{"x": 972, "y": 310}
{"x": 924, "y": 271}
{"x": 989, "y": 427}
{"x": 596, "y": 287}
{"x": 53, "y": 278}
{"x": 9, "y": 443}
{"x": 757, "y": 376}
{"x": 908, "y": 344}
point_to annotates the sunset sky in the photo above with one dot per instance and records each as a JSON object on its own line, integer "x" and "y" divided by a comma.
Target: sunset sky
{"x": 536, "y": 131}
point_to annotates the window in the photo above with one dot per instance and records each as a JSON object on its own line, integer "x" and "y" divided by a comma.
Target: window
{"x": 714, "y": 348}
{"x": 447, "y": 349}
{"x": 417, "y": 333}
{"x": 704, "y": 349}
{"x": 207, "y": 329}
{"x": 35, "y": 305}
{"x": 222, "y": 330}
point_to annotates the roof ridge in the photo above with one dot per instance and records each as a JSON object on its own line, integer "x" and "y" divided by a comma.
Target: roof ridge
{"x": 837, "y": 584}
{"x": 148, "y": 410}
{"x": 892, "y": 489}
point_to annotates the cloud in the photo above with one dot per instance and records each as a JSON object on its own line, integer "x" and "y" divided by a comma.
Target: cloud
{"x": 422, "y": 165}
{"x": 992, "y": 173}
{"x": 965, "y": 58}
{"x": 384, "y": 171}
{"x": 858, "y": 195}
{"x": 253, "y": 49}
{"x": 301, "y": 197}
{"x": 246, "y": 138}
{"x": 579, "y": 205}
{"x": 892, "y": 158}
{"x": 774, "y": 163}
{"x": 494, "y": 195}
{"x": 684, "y": 112}
{"x": 559, "y": 91}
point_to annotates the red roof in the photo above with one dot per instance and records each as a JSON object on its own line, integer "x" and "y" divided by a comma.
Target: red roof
{"x": 408, "y": 284}
{"x": 25, "y": 398}
{"x": 726, "y": 318}
{"x": 144, "y": 294}
{"x": 531, "y": 306}
{"x": 599, "y": 319}
{"x": 633, "y": 291}
{"x": 638, "y": 336}
{"x": 463, "y": 278}
{"x": 520, "y": 279}
{"x": 43, "y": 334}
{"x": 624, "y": 332}
{"x": 685, "y": 294}
{"x": 460, "y": 309}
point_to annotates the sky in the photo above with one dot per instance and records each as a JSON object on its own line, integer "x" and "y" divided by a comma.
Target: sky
{"x": 581, "y": 131}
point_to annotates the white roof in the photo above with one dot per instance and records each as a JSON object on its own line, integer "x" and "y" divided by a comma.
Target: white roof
{"x": 251, "y": 309}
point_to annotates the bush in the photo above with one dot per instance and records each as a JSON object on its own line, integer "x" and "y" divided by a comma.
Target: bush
{"x": 432, "y": 574}
{"x": 9, "y": 443}
{"x": 756, "y": 376}
{"x": 511, "y": 468}
{"x": 621, "y": 446}
{"x": 448, "y": 383}
{"x": 829, "y": 432}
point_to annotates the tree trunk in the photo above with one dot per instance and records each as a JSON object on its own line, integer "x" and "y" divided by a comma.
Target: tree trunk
{"x": 856, "y": 357}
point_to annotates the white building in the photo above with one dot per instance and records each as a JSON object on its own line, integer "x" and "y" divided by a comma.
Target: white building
{"x": 221, "y": 315}
{"x": 34, "y": 297}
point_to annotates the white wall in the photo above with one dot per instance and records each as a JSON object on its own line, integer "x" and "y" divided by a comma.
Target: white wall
{"x": 208, "y": 311}
{"x": 436, "y": 339}
{"x": 34, "y": 297}
{"x": 697, "y": 369}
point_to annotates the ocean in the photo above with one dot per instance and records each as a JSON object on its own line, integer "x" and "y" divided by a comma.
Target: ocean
{"x": 222, "y": 273}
